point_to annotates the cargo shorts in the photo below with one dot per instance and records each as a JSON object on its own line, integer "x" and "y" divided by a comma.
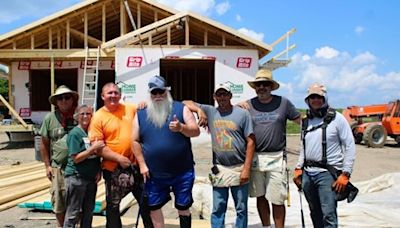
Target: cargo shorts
{"x": 57, "y": 191}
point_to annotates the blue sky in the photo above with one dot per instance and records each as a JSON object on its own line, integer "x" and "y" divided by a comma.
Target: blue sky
{"x": 352, "y": 46}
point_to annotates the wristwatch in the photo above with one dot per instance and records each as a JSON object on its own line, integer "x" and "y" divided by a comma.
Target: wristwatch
{"x": 347, "y": 174}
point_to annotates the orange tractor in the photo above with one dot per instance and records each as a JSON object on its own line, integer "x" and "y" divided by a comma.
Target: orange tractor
{"x": 373, "y": 123}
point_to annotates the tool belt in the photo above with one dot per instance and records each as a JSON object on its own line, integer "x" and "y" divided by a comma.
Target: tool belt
{"x": 350, "y": 191}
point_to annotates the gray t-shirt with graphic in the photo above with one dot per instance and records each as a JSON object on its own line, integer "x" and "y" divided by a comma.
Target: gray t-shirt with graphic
{"x": 269, "y": 122}
{"x": 228, "y": 134}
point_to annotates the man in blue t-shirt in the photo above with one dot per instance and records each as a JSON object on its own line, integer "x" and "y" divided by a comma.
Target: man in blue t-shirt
{"x": 165, "y": 158}
{"x": 233, "y": 145}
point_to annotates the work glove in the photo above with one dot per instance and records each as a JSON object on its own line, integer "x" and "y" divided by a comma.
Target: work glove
{"x": 297, "y": 177}
{"x": 340, "y": 184}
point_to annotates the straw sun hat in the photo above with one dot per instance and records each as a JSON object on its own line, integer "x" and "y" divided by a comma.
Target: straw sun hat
{"x": 264, "y": 75}
{"x": 60, "y": 91}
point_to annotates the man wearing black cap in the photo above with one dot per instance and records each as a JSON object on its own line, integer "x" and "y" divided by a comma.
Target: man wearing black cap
{"x": 164, "y": 129}
{"x": 233, "y": 146}
{"x": 327, "y": 158}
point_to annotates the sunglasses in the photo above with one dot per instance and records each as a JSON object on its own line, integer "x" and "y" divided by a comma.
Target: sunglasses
{"x": 64, "y": 97}
{"x": 157, "y": 91}
{"x": 315, "y": 96}
{"x": 265, "y": 84}
{"x": 220, "y": 94}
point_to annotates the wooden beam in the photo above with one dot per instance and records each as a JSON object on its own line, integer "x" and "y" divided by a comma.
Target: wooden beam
{"x": 52, "y": 79}
{"x": 89, "y": 39}
{"x": 13, "y": 112}
{"x": 187, "y": 31}
{"x": 288, "y": 33}
{"x": 122, "y": 18}
{"x": 150, "y": 39}
{"x": 103, "y": 23}
{"x": 50, "y": 38}
{"x": 205, "y": 37}
{"x": 58, "y": 38}
{"x": 68, "y": 40}
{"x": 46, "y": 54}
{"x": 169, "y": 35}
{"x": 139, "y": 17}
{"x": 85, "y": 29}
{"x": 32, "y": 41}
{"x": 14, "y": 44}
{"x": 223, "y": 40}
{"x": 126, "y": 38}
{"x": 10, "y": 81}
{"x": 155, "y": 15}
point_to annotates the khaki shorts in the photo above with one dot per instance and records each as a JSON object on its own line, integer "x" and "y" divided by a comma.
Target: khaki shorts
{"x": 271, "y": 183}
{"x": 57, "y": 191}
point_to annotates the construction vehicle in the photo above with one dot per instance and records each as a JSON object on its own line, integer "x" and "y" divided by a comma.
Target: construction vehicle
{"x": 373, "y": 123}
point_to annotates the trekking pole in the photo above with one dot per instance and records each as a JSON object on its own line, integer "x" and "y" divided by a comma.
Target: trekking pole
{"x": 140, "y": 208}
{"x": 301, "y": 211}
{"x": 287, "y": 188}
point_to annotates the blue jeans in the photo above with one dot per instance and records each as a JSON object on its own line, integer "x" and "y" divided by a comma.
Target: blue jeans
{"x": 321, "y": 198}
{"x": 240, "y": 194}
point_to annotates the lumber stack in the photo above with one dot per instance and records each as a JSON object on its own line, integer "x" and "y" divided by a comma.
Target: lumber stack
{"x": 27, "y": 186}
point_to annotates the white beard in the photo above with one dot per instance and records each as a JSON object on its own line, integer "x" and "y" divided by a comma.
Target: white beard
{"x": 158, "y": 112}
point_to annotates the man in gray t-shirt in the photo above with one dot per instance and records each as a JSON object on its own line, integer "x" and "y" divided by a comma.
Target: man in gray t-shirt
{"x": 233, "y": 147}
{"x": 268, "y": 181}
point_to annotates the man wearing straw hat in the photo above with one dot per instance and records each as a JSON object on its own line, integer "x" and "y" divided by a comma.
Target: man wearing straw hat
{"x": 54, "y": 151}
{"x": 268, "y": 181}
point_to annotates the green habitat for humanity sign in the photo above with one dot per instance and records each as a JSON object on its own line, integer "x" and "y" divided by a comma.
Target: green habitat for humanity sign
{"x": 128, "y": 89}
{"x": 235, "y": 88}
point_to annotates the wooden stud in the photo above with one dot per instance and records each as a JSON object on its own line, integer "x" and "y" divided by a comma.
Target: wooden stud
{"x": 58, "y": 38}
{"x": 223, "y": 40}
{"x": 187, "y": 31}
{"x": 85, "y": 28}
{"x": 103, "y": 23}
{"x": 139, "y": 17}
{"x": 169, "y": 35}
{"x": 67, "y": 39}
{"x": 32, "y": 41}
{"x": 122, "y": 18}
{"x": 50, "y": 38}
{"x": 205, "y": 37}
{"x": 150, "y": 40}
{"x": 155, "y": 16}
{"x": 14, "y": 44}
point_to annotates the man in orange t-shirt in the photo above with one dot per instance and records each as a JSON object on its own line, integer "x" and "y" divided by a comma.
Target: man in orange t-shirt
{"x": 113, "y": 124}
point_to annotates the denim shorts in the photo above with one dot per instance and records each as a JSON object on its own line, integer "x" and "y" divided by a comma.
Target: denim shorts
{"x": 158, "y": 190}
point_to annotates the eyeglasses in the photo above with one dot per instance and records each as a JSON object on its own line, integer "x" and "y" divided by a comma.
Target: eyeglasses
{"x": 263, "y": 83}
{"x": 315, "y": 96}
{"x": 220, "y": 94}
{"x": 85, "y": 114}
{"x": 157, "y": 92}
{"x": 65, "y": 97}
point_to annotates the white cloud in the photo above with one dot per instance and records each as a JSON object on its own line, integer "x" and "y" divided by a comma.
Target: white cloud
{"x": 222, "y": 7}
{"x": 204, "y": 7}
{"x": 350, "y": 79}
{"x": 364, "y": 58}
{"x": 359, "y": 30}
{"x": 238, "y": 18}
{"x": 326, "y": 52}
{"x": 253, "y": 34}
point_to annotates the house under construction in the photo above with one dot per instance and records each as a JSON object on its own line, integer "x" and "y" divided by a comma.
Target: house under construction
{"x": 127, "y": 42}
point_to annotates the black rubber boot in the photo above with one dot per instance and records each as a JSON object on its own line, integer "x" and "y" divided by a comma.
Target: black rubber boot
{"x": 185, "y": 221}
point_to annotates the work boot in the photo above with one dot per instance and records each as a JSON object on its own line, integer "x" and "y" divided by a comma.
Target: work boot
{"x": 185, "y": 221}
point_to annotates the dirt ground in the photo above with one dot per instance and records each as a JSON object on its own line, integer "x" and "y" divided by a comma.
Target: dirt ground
{"x": 370, "y": 163}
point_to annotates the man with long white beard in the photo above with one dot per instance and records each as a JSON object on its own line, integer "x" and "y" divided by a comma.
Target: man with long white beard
{"x": 164, "y": 129}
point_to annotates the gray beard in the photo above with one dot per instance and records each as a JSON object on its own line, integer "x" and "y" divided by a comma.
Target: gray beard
{"x": 158, "y": 112}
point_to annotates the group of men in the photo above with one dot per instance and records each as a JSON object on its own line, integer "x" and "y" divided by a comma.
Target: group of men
{"x": 151, "y": 147}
